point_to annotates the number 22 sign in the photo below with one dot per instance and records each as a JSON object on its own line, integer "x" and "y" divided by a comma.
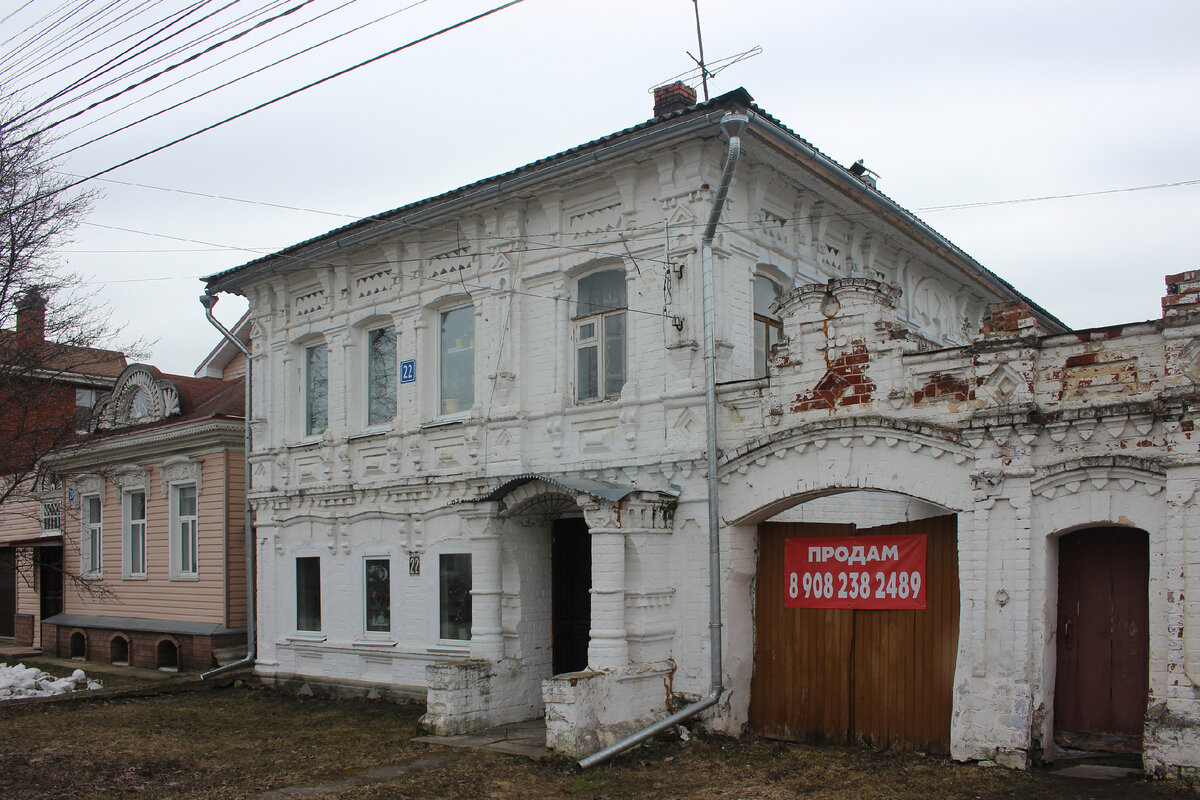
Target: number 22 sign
{"x": 855, "y": 572}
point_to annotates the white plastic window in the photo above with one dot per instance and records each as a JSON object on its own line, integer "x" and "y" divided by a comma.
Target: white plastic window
{"x": 600, "y": 336}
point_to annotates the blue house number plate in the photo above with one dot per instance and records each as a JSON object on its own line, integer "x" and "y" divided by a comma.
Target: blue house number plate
{"x": 408, "y": 370}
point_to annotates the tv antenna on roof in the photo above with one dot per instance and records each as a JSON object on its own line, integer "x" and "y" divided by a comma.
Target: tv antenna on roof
{"x": 703, "y": 70}
{"x": 704, "y": 73}
{"x": 712, "y": 69}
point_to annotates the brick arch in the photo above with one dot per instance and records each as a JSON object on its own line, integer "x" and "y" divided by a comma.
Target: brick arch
{"x": 539, "y": 496}
{"x": 167, "y": 649}
{"x": 874, "y": 454}
{"x": 1124, "y": 492}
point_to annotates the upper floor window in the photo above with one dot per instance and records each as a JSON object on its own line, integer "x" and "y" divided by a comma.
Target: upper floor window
{"x": 767, "y": 327}
{"x": 456, "y": 360}
{"x": 381, "y": 375}
{"x": 85, "y": 400}
{"x": 184, "y": 544}
{"x": 600, "y": 335}
{"x": 135, "y": 534}
{"x": 91, "y": 545}
{"x": 51, "y": 517}
{"x": 316, "y": 389}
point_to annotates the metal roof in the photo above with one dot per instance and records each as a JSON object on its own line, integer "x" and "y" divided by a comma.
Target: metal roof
{"x": 640, "y": 135}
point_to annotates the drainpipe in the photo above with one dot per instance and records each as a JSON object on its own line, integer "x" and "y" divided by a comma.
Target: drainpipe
{"x": 734, "y": 125}
{"x": 208, "y": 301}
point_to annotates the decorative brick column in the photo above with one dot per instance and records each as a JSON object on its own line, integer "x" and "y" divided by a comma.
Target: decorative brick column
{"x": 487, "y": 631}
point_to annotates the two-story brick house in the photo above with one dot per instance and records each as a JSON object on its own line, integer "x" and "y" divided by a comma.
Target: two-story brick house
{"x": 47, "y": 394}
{"x": 482, "y": 470}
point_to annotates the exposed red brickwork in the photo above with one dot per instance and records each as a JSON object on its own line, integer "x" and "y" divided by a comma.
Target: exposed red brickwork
{"x": 845, "y": 383}
{"x": 23, "y": 629}
{"x": 673, "y": 97}
{"x": 193, "y": 652}
{"x": 1008, "y": 319}
{"x": 944, "y": 387}
{"x": 1183, "y": 294}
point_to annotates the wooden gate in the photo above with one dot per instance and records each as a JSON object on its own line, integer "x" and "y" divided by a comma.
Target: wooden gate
{"x": 1103, "y": 641}
{"x": 884, "y": 678}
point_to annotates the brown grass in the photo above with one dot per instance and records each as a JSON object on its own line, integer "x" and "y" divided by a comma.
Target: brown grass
{"x": 247, "y": 742}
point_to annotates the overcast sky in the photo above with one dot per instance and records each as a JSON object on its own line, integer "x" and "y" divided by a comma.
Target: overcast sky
{"x": 949, "y": 102}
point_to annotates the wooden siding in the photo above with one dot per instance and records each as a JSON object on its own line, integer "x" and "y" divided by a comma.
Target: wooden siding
{"x": 158, "y": 596}
{"x": 236, "y": 368}
{"x": 884, "y": 678}
{"x": 235, "y": 541}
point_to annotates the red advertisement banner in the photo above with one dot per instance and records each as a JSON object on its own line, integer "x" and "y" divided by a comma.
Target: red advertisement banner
{"x": 855, "y": 572}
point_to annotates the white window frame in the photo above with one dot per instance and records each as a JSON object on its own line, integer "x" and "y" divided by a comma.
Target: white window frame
{"x": 311, "y": 428}
{"x": 438, "y": 605}
{"x": 389, "y": 632}
{"x": 591, "y": 333}
{"x": 369, "y": 366}
{"x": 770, "y": 326}
{"x": 85, "y": 401}
{"x": 133, "y": 538}
{"x": 179, "y": 547}
{"x": 460, "y": 351}
{"x": 296, "y": 594}
{"x": 51, "y": 517}
{"x": 91, "y": 539}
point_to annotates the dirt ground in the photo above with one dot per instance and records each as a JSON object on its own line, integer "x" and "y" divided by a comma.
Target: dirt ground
{"x": 248, "y": 742}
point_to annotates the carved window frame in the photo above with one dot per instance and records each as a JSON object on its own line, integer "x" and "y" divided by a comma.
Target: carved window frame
{"x": 177, "y": 475}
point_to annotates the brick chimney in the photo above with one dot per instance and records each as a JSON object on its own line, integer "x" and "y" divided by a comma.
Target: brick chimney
{"x": 31, "y": 320}
{"x": 673, "y": 97}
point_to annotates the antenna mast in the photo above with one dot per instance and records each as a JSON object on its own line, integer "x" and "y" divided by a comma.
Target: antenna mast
{"x": 700, "y": 42}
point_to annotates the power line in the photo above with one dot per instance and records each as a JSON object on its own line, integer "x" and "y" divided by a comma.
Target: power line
{"x": 281, "y": 97}
{"x": 172, "y": 67}
{"x": 234, "y": 80}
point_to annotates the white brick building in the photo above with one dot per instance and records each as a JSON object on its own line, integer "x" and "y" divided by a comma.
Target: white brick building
{"x": 479, "y": 460}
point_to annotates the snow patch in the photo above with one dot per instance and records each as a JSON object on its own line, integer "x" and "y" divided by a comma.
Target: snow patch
{"x": 22, "y": 681}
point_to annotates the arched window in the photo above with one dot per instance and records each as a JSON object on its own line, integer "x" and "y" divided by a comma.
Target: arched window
{"x": 767, "y": 327}
{"x": 600, "y": 335}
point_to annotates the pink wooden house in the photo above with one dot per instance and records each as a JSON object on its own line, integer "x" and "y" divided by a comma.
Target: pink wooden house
{"x": 154, "y": 518}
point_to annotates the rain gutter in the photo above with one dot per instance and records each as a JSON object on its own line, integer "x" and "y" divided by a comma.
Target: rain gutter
{"x": 208, "y": 301}
{"x": 734, "y": 124}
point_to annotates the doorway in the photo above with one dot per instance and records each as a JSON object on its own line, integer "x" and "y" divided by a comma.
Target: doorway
{"x": 1103, "y": 641}
{"x": 8, "y": 591}
{"x": 49, "y": 563}
{"x": 884, "y": 678}
{"x": 570, "y": 594}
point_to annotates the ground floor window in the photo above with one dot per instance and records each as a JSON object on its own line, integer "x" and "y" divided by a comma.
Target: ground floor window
{"x": 308, "y": 593}
{"x": 455, "y": 596}
{"x": 379, "y": 595}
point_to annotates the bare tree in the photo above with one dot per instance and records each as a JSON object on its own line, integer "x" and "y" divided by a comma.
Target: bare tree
{"x": 56, "y": 355}
{"x": 54, "y": 337}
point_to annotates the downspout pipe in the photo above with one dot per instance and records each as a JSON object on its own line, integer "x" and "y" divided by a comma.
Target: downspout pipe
{"x": 208, "y": 301}
{"x": 734, "y": 124}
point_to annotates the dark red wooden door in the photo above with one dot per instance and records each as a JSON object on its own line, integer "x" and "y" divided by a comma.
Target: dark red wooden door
{"x": 1103, "y": 641}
